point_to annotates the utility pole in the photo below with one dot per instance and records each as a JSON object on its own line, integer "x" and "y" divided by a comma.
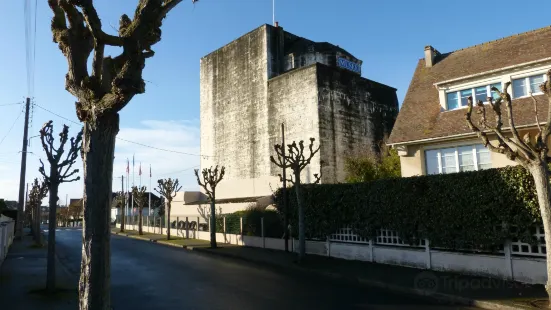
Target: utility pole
{"x": 285, "y": 202}
{"x": 19, "y": 231}
{"x": 26, "y": 199}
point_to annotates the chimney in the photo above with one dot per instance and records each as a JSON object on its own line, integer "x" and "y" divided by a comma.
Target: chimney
{"x": 276, "y": 24}
{"x": 430, "y": 56}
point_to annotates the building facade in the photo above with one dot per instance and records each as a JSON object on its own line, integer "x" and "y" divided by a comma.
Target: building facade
{"x": 268, "y": 77}
{"x": 431, "y": 133}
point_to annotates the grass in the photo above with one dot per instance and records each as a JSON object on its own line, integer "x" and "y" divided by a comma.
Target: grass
{"x": 188, "y": 242}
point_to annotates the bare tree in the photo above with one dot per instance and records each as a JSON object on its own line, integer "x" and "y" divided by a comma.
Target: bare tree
{"x": 121, "y": 202}
{"x": 168, "y": 189}
{"x": 38, "y": 192}
{"x": 59, "y": 173}
{"x": 113, "y": 82}
{"x": 140, "y": 199}
{"x": 211, "y": 178}
{"x": 530, "y": 152}
{"x": 294, "y": 158}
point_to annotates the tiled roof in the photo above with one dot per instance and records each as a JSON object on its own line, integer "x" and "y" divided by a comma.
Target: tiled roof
{"x": 421, "y": 117}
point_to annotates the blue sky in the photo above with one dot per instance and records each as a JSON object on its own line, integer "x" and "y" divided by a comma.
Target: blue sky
{"x": 389, "y": 36}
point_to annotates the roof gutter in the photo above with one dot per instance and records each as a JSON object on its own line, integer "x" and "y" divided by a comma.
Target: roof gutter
{"x": 453, "y": 137}
{"x": 494, "y": 71}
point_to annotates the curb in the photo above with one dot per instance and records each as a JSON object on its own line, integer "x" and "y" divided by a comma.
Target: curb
{"x": 428, "y": 295}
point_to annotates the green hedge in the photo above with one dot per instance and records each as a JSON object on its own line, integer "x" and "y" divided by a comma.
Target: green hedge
{"x": 460, "y": 211}
{"x": 273, "y": 226}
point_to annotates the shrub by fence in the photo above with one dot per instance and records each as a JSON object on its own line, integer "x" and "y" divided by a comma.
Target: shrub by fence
{"x": 463, "y": 210}
{"x": 273, "y": 225}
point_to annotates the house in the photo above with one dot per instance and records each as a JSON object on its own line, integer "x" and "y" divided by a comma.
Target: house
{"x": 431, "y": 134}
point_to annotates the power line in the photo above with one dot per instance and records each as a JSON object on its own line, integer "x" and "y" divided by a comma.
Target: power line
{"x": 12, "y": 125}
{"x": 179, "y": 171}
{"x": 160, "y": 149}
{"x": 133, "y": 142}
{"x": 8, "y": 104}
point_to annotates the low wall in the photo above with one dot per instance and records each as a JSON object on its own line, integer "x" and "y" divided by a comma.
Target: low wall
{"x": 530, "y": 270}
{"x": 7, "y": 230}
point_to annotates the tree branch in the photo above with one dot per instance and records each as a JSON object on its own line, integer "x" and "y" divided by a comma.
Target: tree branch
{"x": 524, "y": 148}
{"x": 546, "y": 89}
{"x": 502, "y": 148}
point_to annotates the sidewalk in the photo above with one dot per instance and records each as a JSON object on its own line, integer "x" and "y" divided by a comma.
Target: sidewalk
{"x": 23, "y": 277}
{"x": 481, "y": 292}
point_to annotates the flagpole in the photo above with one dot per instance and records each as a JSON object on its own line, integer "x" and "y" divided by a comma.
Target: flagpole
{"x": 150, "y": 189}
{"x": 133, "y": 184}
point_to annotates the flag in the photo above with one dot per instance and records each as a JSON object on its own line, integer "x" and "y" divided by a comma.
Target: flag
{"x": 140, "y": 172}
{"x": 149, "y": 170}
{"x": 133, "y": 161}
{"x": 127, "y": 166}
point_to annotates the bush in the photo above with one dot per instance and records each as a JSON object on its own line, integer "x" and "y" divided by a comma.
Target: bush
{"x": 273, "y": 225}
{"x": 370, "y": 167}
{"x": 460, "y": 211}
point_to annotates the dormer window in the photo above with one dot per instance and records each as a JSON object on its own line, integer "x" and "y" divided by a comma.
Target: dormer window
{"x": 523, "y": 86}
{"x": 458, "y": 99}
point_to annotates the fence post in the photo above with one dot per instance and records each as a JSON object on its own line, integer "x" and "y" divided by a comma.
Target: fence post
{"x": 508, "y": 260}
{"x": 262, "y": 231}
{"x": 178, "y": 230}
{"x": 427, "y": 251}
{"x": 224, "y": 224}
{"x": 197, "y": 228}
{"x": 328, "y": 245}
{"x": 371, "y": 259}
{"x": 241, "y": 228}
{"x": 187, "y": 228}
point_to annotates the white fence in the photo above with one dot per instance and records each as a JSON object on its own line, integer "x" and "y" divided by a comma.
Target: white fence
{"x": 6, "y": 237}
{"x": 516, "y": 261}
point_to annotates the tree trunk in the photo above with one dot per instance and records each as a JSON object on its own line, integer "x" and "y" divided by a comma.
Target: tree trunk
{"x": 540, "y": 173}
{"x": 37, "y": 236}
{"x": 301, "y": 227}
{"x": 98, "y": 149}
{"x": 168, "y": 219}
{"x": 140, "y": 221}
{"x": 123, "y": 215}
{"x": 212, "y": 223}
{"x": 50, "y": 274}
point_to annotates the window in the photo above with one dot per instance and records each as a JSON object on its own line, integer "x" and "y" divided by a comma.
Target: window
{"x": 458, "y": 99}
{"x": 524, "y": 86}
{"x": 456, "y": 159}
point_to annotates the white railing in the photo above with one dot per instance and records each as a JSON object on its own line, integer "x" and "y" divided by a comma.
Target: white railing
{"x": 6, "y": 237}
{"x": 390, "y": 238}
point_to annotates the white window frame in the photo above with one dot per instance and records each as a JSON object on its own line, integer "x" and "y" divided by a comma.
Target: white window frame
{"x": 473, "y": 94}
{"x": 524, "y": 71}
{"x": 527, "y": 85}
{"x": 456, "y": 150}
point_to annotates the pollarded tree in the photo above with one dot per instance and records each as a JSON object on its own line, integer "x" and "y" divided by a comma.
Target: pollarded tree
{"x": 168, "y": 189}
{"x": 121, "y": 202}
{"x": 532, "y": 152}
{"x": 59, "y": 173}
{"x": 113, "y": 82}
{"x": 211, "y": 178}
{"x": 294, "y": 158}
{"x": 139, "y": 199}
{"x": 38, "y": 192}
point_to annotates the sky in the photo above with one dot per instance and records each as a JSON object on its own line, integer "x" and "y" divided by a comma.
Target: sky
{"x": 389, "y": 36}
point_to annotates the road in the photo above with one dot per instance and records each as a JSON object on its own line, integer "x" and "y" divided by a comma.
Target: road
{"x": 151, "y": 276}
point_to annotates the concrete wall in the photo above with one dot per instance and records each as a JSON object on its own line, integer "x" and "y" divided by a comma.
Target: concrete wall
{"x": 233, "y": 96}
{"x": 246, "y": 95}
{"x": 293, "y": 100}
{"x": 354, "y": 115}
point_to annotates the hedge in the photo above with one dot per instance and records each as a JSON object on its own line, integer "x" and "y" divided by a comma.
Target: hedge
{"x": 273, "y": 225}
{"x": 463, "y": 210}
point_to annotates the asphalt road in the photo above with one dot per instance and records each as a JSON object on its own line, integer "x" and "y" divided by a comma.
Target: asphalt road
{"x": 151, "y": 276}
